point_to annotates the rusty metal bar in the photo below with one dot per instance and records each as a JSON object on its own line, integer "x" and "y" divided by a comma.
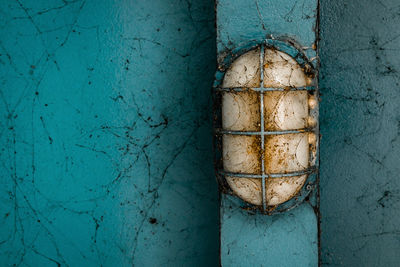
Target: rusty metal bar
{"x": 263, "y": 132}
{"x": 265, "y": 89}
{"x": 269, "y": 175}
{"x": 264, "y": 199}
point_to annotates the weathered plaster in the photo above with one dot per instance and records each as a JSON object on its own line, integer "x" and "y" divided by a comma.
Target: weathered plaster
{"x": 360, "y": 127}
{"x": 105, "y": 133}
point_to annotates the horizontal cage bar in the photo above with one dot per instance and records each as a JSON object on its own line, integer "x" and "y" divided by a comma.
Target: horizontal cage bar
{"x": 268, "y": 175}
{"x": 305, "y": 130}
{"x": 265, "y": 89}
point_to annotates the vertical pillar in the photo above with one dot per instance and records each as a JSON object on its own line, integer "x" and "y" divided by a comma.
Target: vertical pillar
{"x": 290, "y": 238}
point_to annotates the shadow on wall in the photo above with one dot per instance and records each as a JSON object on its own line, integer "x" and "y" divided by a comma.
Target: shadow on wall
{"x": 107, "y": 130}
{"x": 360, "y": 127}
{"x": 176, "y": 47}
{"x": 180, "y": 225}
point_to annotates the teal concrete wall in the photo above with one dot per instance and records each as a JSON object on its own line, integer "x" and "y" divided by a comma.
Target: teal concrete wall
{"x": 105, "y": 133}
{"x": 291, "y": 238}
{"x": 360, "y": 127}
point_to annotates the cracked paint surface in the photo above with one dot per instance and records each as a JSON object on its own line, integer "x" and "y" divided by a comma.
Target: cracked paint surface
{"x": 241, "y": 21}
{"x": 360, "y": 127}
{"x": 291, "y": 238}
{"x": 105, "y": 133}
{"x": 287, "y": 239}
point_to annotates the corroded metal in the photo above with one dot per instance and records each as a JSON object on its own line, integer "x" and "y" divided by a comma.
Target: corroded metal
{"x": 255, "y": 95}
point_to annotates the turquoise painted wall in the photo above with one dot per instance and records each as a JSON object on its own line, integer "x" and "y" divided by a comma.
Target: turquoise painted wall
{"x": 105, "y": 133}
{"x": 360, "y": 127}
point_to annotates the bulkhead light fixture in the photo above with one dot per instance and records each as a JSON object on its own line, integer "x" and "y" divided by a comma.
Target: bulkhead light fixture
{"x": 266, "y": 122}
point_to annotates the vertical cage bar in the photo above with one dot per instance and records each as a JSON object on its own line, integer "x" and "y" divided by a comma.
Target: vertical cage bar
{"x": 264, "y": 201}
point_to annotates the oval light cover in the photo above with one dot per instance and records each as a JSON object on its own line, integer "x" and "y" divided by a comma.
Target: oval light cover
{"x": 269, "y": 126}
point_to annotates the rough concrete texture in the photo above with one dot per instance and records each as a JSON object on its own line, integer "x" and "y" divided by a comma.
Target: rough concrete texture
{"x": 105, "y": 133}
{"x": 360, "y": 127}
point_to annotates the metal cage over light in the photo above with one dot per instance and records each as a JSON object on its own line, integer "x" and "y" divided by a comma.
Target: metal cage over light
{"x": 266, "y": 125}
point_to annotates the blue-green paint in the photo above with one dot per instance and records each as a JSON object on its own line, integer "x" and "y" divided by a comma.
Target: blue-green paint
{"x": 105, "y": 133}
{"x": 288, "y": 239}
{"x": 360, "y": 127}
{"x": 291, "y": 238}
{"x": 241, "y": 21}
